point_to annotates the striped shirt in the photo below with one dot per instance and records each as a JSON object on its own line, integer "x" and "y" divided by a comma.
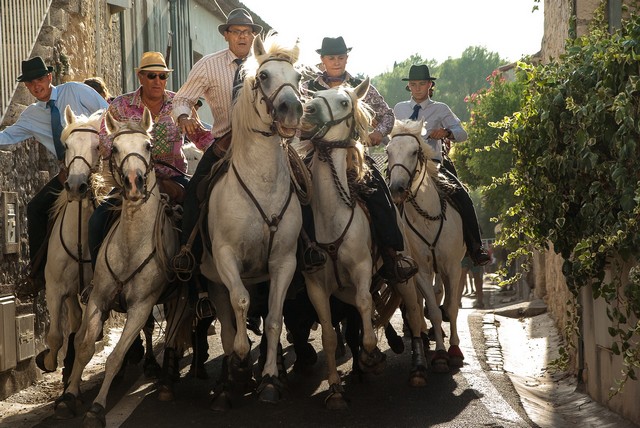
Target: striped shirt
{"x": 212, "y": 79}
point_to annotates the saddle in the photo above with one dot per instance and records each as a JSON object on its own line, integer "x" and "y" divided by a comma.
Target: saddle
{"x": 174, "y": 190}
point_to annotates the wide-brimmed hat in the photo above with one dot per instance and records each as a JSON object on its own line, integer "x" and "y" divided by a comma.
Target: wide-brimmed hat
{"x": 33, "y": 68}
{"x": 239, "y": 17}
{"x": 419, "y": 72}
{"x": 333, "y": 46}
{"x": 153, "y": 61}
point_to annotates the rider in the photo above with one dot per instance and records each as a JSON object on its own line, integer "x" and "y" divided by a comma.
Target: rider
{"x": 442, "y": 124}
{"x": 334, "y": 56}
{"x": 36, "y": 121}
{"x": 213, "y": 78}
{"x": 170, "y": 162}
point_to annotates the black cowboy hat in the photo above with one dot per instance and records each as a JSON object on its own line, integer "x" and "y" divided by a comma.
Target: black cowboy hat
{"x": 419, "y": 72}
{"x": 333, "y": 46}
{"x": 239, "y": 17}
{"x": 32, "y": 69}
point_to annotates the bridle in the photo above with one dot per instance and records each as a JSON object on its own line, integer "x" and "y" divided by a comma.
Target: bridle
{"x": 92, "y": 168}
{"x": 120, "y": 177}
{"x": 269, "y": 99}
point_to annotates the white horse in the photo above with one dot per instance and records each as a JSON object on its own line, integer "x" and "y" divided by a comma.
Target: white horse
{"x": 334, "y": 118}
{"x": 131, "y": 264}
{"x": 68, "y": 268}
{"x": 435, "y": 233}
{"x": 254, "y": 217}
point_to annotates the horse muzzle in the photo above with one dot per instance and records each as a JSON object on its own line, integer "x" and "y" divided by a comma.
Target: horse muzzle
{"x": 76, "y": 186}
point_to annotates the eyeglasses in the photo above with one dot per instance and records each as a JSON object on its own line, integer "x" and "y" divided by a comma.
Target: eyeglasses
{"x": 162, "y": 76}
{"x": 239, "y": 33}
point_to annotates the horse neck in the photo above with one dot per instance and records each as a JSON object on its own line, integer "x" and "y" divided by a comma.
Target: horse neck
{"x": 425, "y": 190}
{"x": 256, "y": 155}
{"x": 326, "y": 196}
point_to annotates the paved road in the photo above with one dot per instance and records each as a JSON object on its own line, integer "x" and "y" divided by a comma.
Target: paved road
{"x": 478, "y": 395}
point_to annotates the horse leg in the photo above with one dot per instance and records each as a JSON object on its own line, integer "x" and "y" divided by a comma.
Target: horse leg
{"x": 299, "y": 316}
{"x": 440, "y": 360}
{"x": 85, "y": 346}
{"x": 136, "y": 318}
{"x": 452, "y": 299}
{"x": 270, "y": 388}
{"x": 150, "y": 365}
{"x": 353, "y": 326}
{"x": 413, "y": 315}
{"x": 318, "y": 296}
{"x": 47, "y": 360}
{"x": 239, "y": 299}
{"x": 371, "y": 358}
{"x": 74, "y": 314}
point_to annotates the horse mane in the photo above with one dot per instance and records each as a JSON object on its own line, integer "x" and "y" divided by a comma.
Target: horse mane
{"x": 413, "y": 127}
{"x": 363, "y": 117}
{"x": 241, "y": 118}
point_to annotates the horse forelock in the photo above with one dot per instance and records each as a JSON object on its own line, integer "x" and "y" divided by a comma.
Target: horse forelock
{"x": 82, "y": 121}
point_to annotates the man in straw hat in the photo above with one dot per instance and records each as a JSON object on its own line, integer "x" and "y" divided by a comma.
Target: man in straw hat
{"x": 334, "y": 55}
{"x": 213, "y": 78}
{"x": 442, "y": 124}
{"x": 38, "y": 121}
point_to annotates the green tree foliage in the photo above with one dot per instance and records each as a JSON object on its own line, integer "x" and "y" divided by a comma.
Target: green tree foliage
{"x": 576, "y": 169}
{"x": 482, "y": 157}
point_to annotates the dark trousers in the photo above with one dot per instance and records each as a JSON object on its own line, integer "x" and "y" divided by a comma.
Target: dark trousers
{"x": 102, "y": 218}
{"x": 191, "y": 205}
{"x": 381, "y": 208}
{"x": 464, "y": 203}
{"x": 38, "y": 218}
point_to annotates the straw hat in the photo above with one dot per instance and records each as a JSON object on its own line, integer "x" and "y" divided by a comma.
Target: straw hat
{"x": 153, "y": 61}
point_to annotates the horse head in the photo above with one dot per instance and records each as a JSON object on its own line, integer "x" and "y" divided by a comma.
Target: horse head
{"x": 337, "y": 114}
{"x": 81, "y": 158}
{"x": 130, "y": 162}
{"x": 272, "y": 85}
{"x": 409, "y": 159}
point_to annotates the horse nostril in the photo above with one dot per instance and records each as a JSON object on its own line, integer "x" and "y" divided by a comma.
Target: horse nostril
{"x": 139, "y": 180}
{"x": 67, "y": 187}
{"x": 127, "y": 183}
{"x": 83, "y": 188}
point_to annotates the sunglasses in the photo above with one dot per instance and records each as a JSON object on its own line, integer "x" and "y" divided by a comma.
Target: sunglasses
{"x": 162, "y": 76}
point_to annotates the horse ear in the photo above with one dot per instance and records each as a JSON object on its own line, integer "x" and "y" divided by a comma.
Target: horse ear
{"x": 147, "y": 120}
{"x": 362, "y": 88}
{"x": 69, "y": 116}
{"x": 258, "y": 46}
{"x": 110, "y": 124}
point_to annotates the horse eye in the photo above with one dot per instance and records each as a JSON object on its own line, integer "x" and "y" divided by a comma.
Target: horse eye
{"x": 345, "y": 103}
{"x": 148, "y": 146}
{"x": 114, "y": 149}
{"x": 263, "y": 75}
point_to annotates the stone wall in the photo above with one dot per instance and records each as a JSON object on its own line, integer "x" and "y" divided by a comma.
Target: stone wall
{"x": 68, "y": 42}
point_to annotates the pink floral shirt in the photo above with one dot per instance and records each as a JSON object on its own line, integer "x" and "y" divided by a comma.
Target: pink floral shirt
{"x": 167, "y": 138}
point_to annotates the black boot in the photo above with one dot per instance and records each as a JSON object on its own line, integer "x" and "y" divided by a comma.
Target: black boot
{"x": 479, "y": 255}
{"x": 397, "y": 267}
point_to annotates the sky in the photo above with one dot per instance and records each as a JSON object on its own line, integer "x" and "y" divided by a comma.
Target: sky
{"x": 381, "y": 36}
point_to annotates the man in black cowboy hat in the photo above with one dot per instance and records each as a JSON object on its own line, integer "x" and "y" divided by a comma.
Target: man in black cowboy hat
{"x": 442, "y": 124}
{"x": 334, "y": 55}
{"x": 44, "y": 120}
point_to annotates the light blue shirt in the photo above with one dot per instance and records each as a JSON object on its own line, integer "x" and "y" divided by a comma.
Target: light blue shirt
{"x": 436, "y": 115}
{"x": 35, "y": 121}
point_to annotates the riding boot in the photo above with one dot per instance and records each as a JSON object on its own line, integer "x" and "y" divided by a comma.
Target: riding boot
{"x": 312, "y": 256}
{"x": 471, "y": 230}
{"x": 396, "y": 267}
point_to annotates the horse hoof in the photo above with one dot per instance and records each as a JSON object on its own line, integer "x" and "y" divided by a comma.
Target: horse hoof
{"x": 221, "y": 402}
{"x": 270, "y": 389}
{"x": 40, "y": 361}
{"x": 151, "y": 368}
{"x": 440, "y": 362}
{"x": 95, "y": 417}
{"x": 372, "y": 362}
{"x": 455, "y": 356}
{"x": 335, "y": 400}
{"x": 418, "y": 377}
{"x": 165, "y": 392}
{"x": 65, "y": 406}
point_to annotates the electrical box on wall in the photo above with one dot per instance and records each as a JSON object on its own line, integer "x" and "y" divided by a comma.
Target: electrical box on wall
{"x": 11, "y": 229}
{"x": 25, "y": 337}
{"x": 7, "y": 333}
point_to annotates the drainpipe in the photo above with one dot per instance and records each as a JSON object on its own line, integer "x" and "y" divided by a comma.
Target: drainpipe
{"x": 173, "y": 31}
{"x": 98, "y": 40}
